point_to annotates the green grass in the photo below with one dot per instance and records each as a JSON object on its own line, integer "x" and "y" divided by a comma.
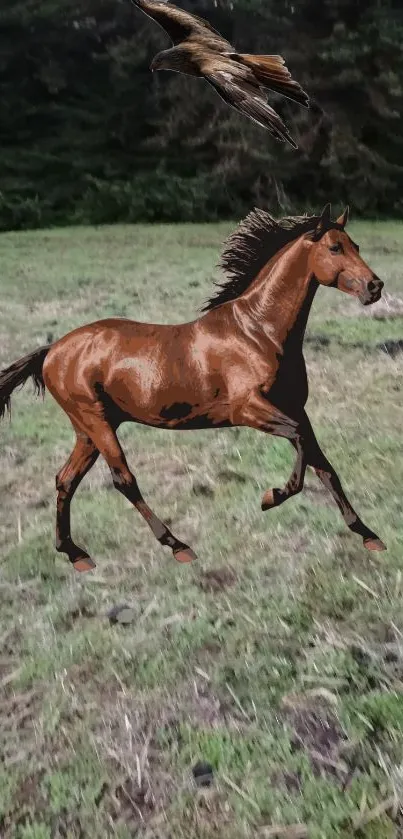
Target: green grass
{"x": 283, "y": 642}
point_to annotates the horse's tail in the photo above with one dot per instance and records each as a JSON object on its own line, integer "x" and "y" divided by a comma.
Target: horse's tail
{"x": 18, "y": 373}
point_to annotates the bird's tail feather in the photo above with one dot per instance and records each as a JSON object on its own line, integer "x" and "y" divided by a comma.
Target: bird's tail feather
{"x": 264, "y": 115}
{"x": 249, "y": 100}
{"x": 270, "y": 71}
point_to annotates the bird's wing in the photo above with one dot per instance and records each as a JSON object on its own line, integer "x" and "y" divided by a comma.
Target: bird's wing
{"x": 246, "y": 96}
{"x": 179, "y": 24}
{"x": 270, "y": 71}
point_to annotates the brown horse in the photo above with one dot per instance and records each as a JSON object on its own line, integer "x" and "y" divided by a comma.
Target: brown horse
{"x": 239, "y": 364}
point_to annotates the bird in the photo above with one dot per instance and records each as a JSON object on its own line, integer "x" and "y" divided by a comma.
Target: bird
{"x": 240, "y": 79}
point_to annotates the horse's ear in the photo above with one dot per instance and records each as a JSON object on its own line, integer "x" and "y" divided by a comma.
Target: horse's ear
{"x": 323, "y": 223}
{"x": 343, "y": 219}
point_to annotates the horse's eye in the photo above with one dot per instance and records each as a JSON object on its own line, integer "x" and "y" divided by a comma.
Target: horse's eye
{"x": 337, "y": 248}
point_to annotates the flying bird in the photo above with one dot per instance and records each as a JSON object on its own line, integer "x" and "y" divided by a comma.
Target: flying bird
{"x": 240, "y": 79}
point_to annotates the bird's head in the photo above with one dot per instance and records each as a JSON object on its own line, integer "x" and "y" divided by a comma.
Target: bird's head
{"x": 159, "y": 63}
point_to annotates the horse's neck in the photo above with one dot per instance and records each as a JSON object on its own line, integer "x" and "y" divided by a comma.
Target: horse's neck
{"x": 279, "y": 299}
{"x": 296, "y": 334}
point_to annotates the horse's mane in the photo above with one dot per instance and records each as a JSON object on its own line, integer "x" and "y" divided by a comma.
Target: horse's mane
{"x": 258, "y": 237}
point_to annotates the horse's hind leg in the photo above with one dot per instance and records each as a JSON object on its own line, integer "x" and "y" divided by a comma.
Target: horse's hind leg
{"x": 105, "y": 439}
{"x": 79, "y": 463}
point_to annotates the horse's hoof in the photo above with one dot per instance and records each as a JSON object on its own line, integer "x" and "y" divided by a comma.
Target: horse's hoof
{"x": 85, "y": 563}
{"x": 185, "y": 555}
{"x": 374, "y": 545}
{"x": 268, "y": 499}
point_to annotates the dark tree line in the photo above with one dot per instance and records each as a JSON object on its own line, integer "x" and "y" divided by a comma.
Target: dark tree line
{"x": 88, "y": 134}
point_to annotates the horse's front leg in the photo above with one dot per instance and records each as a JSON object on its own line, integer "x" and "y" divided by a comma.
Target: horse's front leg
{"x": 275, "y": 497}
{"x": 261, "y": 414}
{"x": 314, "y": 457}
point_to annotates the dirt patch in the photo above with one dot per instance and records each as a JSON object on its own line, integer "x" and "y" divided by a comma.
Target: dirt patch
{"x": 291, "y": 781}
{"x": 28, "y": 799}
{"x": 74, "y": 615}
{"x": 316, "y": 729}
{"x": 205, "y": 708}
{"x": 212, "y": 813}
{"x": 317, "y": 732}
{"x": 204, "y": 489}
{"x": 200, "y": 706}
{"x": 12, "y": 640}
{"x": 217, "y": 579}
{"x": 128, "y": 735}
{"x": 29, "y": 791}
{"x": 21, "y": 745}
{"x": 21, "y": 494}
{"x": 130, "y": 803}
{"x": 136, "y": 800}
{"x": 65, "y": 825}
{"x": 231, "y": 475}
{"x": 317, "y": 341}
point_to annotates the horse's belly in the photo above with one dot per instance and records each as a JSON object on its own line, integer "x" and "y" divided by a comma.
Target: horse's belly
{"x": 176, "y": 407}
{"x": 179, "y": 416}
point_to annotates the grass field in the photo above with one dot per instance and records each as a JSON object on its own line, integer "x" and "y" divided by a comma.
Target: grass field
{"x": 277, "y": 657}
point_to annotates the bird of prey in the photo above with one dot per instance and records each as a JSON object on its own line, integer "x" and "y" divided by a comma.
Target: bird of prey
{"x": 240, "y": 79}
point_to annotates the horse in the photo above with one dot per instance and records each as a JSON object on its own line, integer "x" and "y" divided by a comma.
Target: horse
{"x": 240, "y": 363}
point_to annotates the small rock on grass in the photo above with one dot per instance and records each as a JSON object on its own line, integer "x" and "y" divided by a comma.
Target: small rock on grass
{"x": 121, "y": 614}
{"x": 203, "y": 774}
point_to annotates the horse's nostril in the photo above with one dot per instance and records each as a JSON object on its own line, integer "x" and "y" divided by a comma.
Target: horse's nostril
{"x": 375, "y": 285}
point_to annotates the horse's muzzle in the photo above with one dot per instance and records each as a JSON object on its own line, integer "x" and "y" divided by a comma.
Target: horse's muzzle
{"x": 371, "y": 292}
{"x": 367, "y": 291}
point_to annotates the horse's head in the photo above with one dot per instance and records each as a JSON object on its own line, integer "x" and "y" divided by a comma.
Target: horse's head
{"x": 335, "y": 261}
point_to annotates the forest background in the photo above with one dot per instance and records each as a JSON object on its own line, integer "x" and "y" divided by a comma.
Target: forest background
{"x": 89, "y": 135}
